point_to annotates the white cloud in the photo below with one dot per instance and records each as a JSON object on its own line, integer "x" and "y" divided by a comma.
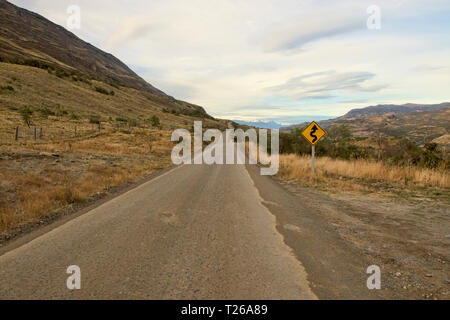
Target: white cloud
{"x": 324, "y": 85}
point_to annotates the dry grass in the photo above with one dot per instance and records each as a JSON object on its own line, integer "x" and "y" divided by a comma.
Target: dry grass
{"x": 34, "y": 195}
{"x": 358, "y": 174}
{"x": 34, "y": 183}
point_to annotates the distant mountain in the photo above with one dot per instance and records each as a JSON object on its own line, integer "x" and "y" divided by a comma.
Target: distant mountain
{"x": 28, "y": 38}
{"x": 392, "y": 108}
{"x": 417, "y": 122}
{"x": 261, "y": 124}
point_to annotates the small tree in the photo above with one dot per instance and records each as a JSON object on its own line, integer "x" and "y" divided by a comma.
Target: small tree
{"x": 155, "y": 121}
{"x": 26, "y": 116}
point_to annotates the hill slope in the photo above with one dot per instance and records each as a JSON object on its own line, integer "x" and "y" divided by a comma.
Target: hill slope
{"x": 27, "y": 35}
{"x": 30, "y": 39}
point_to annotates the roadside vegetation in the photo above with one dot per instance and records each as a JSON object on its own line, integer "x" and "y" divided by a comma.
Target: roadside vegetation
{"x": 381, "y": 164}
{"x": 339, "y": 143}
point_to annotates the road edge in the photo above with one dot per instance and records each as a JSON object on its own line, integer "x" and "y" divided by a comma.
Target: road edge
{"x": 32, "y": 230}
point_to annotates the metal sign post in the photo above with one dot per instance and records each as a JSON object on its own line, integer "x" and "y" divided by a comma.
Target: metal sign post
{"x": 313, "y": 154}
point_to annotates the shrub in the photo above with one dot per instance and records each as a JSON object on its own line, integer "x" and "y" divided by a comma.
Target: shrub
{"x": 61, "y": 113}
{"x": 45, "y": 112}
{"x": 62, "y": 73}
{"x": 132, "y": 122}
{"x": 431, "y": 157}
{"x": 8, "y": 88}
{"x": 33, "y": 63}
{"x": 101, "y": 90}
{"x": 155, "y": 121}
{"x": 73, "y": 116}
{"x": 26, "y": 114}
{"x": 95, "y": 119}
{"x": 104, "y": 91}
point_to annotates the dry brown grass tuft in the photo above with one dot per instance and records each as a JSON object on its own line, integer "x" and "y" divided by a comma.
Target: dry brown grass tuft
{"x": 38, "y": 194}
{"x": 37, "y": 183}
{"x": 346, "y": 174}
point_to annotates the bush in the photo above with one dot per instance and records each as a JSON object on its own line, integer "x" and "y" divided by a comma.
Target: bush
{"x": 155, "y": 121}
{"x": 45, "y": 112}
{"x": 132, "y": 122}
{"x": 62, "y": 73}
{"x": 431, "y": 157}
{"x": 26, "y": 114}
{"x": 121, "y": 119}
{"x": 104, "y": 91}
{"x": 61, "y": 113}
{"x": 8, "y": 88}
{"x": 94, "y": 119}
{"x": 101, "y": 90}
{"x": 73, "y": 116}
{"x": 33, "y": 63}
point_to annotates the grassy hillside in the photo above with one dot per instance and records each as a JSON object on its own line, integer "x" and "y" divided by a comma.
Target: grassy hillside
{"x": 122, "y": 135}
{"x": 54, "y": 100}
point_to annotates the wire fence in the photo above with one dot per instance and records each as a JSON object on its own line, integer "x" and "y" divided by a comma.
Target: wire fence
{"x": 56, "y": 133}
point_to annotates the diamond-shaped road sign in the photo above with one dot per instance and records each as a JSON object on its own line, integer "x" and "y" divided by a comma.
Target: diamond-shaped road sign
{"x": 313, "y": 133}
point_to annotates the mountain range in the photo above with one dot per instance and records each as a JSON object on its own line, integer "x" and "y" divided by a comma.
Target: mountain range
{"x": 417, "y": 122}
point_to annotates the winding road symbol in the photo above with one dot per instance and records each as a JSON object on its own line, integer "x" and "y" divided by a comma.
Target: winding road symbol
{"x": 313, "y": 133}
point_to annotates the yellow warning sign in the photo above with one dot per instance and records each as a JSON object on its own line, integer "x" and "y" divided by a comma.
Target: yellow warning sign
{"x": 313, "y": 133}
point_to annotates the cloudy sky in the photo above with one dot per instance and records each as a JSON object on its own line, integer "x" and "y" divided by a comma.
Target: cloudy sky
{"x": 286, "y": 60}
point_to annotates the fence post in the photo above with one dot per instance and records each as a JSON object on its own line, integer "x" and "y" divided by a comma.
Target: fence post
{"x": 17, "y": 133}
{"x": 75, "y": 131}
{"x": 40, "y": 133}
{"x": 35, "y": 134}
